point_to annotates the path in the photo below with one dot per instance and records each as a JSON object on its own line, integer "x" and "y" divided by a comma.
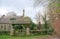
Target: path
{"x": 48, "y": 37}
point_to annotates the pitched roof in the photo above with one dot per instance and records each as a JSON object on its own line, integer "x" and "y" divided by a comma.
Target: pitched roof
{"x": 15, "y": 20}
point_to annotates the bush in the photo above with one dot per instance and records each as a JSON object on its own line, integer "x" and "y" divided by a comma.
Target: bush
{"x": 18, "y": 27}
{"x": 4, "y": 32}
{"x": 43, "y": 32}
{"x": 48, "y": 31}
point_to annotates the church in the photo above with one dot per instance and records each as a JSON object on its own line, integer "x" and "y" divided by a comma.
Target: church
{"x": 7, "y": 22}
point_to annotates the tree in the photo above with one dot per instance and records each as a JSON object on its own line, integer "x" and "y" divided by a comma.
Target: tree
{"x": 54, "y": 15}
{"x": 45, "y": 21}
{"x": 11, "y": 14}
{"x": 17, "y": 27}
{"x": 54, "y": 10}
{"x": 37, "y": 2}
{"x": 41, "y": 3}
{"x": 32, "y": 26}
{"x": 38, "y": 19}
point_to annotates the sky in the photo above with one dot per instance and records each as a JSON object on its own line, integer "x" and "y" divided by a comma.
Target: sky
{"x": 18, "y": 5}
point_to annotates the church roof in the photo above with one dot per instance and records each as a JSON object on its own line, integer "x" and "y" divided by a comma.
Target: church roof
{"x": 15, "y": 20}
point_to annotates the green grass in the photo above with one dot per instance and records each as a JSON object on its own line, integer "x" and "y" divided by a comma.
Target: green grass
{"x": 21, "y": 37}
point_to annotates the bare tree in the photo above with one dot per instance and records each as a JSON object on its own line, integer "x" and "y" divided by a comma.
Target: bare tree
{"x": 41, "y": 3}
{"x": 54, "y": 10}
{"x": 45, "y": 20}
{"x": 38, "y": 19}
{"x": 39, "y": 16}
{"x": 53, "y": 7}
{"x": 54, "y": 15}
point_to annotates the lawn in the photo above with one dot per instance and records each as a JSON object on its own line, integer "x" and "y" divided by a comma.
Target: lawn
{"x": 21, "y": 37}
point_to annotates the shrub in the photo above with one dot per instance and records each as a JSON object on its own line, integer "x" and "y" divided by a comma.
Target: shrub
{"x": 18, "y": 27}
{"x": 44, "y": 32}
{"x": 4, "y": 32}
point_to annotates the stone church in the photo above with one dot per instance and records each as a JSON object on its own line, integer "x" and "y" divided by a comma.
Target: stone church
{"x": 6, "y": 22}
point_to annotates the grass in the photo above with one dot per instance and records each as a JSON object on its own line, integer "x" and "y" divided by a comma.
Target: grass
{"x": 21, "y": 37}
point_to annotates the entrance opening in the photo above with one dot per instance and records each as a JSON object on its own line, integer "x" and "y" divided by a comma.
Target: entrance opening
{"x": 19, "y": 29}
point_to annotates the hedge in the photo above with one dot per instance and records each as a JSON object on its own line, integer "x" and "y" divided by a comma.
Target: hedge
{"x": 4, "y": 32}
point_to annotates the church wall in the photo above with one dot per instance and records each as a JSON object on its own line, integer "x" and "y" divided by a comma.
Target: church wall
{"x": 5, "y": 27}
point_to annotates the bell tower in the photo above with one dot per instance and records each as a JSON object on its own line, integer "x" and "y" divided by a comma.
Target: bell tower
{"x": 23, "y": 12}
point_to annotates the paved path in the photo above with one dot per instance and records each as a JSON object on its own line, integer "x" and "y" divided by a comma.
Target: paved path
{"x": 49, "y": 37}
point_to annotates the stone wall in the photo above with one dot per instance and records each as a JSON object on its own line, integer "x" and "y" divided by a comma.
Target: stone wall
{"x": 5, "y": 27}
{"x": 56, "y": 26}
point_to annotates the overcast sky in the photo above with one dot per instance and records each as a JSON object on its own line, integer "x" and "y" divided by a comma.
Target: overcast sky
{"x": 18, "y": 5}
